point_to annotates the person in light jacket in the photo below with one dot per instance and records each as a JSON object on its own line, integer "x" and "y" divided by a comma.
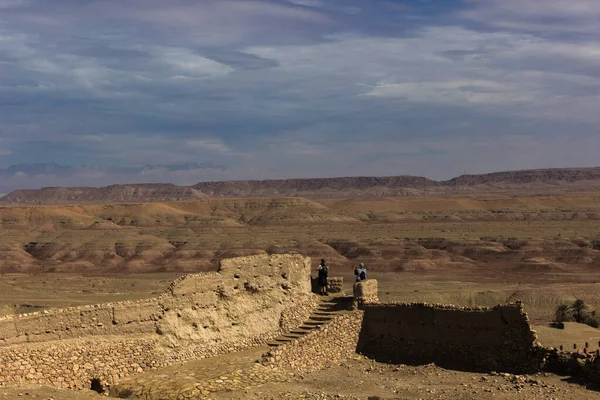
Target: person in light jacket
{"x": 360, "y": 273}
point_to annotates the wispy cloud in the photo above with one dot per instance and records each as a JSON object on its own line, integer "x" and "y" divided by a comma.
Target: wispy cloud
{"x": 550, "y": 17}
{"x": 298, "y": 88}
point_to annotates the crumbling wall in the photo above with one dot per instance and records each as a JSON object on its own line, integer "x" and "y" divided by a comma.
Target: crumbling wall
{"x": 123, "y": 318}
{"x": 329, "y": 344}
{"x": 248, "y": 302}
{"x": 248, "y": 297}
{"x": 574, "y": 364}
{"x": 480, "y": 339}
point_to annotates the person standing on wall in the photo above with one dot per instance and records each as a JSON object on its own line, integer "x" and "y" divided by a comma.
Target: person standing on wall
{"x": 360, "y": 273}
{"x": 323, "y": 270}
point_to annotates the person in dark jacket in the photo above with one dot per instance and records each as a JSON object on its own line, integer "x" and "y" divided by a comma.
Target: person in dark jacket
{"x": 322, "y": 278}
{"x": 360, "y": 273}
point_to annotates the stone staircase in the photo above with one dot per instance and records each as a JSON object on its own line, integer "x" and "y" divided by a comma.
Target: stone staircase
{"x": 328, "y": 308}
{"x": 228, "y": 372}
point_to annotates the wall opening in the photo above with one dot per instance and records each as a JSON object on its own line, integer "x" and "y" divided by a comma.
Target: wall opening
{"x": 96, "y": 386}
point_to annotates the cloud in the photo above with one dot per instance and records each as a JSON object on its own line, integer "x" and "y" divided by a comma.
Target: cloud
{"x": 209, "y": 144}
{"x": 456, "y": 66}
{"x": 295, "y": 88}
{"x": 554, "y": 16}
{"x": 52, "y": 174}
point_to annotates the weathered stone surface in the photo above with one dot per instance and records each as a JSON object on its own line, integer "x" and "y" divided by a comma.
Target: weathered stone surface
{"x": 366, "y": 292}
{"x": 477, "y": 338}
{"x": 242, "y": 306}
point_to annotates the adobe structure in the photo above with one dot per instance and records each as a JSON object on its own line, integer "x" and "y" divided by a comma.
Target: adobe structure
{"x": 247, "y": 303}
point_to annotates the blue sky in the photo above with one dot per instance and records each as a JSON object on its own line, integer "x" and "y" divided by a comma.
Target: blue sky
{"x": 131, "y": 91}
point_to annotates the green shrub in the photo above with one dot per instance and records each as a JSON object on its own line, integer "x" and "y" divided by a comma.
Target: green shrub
{"x": 591, "y": 321}
{"x": 578, "y": 312}
{"x": 562, "y": 313}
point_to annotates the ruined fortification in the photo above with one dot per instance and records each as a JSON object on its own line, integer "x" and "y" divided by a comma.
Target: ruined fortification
{"x": 476, "y": 339}
{"x": 249, "y": 301}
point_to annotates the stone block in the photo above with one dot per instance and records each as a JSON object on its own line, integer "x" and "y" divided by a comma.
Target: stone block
{"x": 366, "y": 291}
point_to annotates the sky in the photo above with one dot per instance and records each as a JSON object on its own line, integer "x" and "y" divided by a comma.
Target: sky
{"x": 95, "y": 92}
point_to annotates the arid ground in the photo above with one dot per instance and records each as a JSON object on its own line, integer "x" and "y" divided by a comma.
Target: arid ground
{"x": 480, "y": 249}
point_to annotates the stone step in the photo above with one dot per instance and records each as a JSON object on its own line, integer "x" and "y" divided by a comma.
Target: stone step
{"x": 314, "y": 323}
{"x": 321, "y": 318}
{"x": 293, "y": 336}
{"x": 279, "y": 341}
{"x": 325, "y": 312}
{"x": 301, "y": 331}
{"x": 309, "y": 328}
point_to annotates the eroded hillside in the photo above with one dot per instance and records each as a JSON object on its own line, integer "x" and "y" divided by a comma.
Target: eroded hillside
{"x": 521, "y": 234}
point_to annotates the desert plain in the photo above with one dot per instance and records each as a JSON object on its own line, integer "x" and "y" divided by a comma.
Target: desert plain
{"x": 478, "y": 249}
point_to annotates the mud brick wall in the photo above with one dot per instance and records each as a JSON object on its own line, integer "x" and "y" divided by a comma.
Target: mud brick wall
{"x": 246, "y": 286}
{"x": 248, "y": 302}
{"x": 329, "y": 344}
{"x": 478, "y": 339}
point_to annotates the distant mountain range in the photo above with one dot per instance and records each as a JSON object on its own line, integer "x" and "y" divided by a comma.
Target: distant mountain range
{"x": 542, "y": 180}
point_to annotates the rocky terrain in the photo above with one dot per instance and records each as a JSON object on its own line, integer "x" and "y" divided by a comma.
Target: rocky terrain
{"x": 546, "y": 180}
{"x": 364, "y": 379}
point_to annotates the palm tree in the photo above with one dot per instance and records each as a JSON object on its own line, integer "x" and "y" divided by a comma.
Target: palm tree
{"x": 579, "y": 308}
{"x": 562, "y": 313}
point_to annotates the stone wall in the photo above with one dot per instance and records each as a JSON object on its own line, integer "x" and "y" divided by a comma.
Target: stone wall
{"x": 248, "y": 302}
{"x": 366, "y": 292}
{"x": 329, "y": 344}
{"x": 479, "y": 339}
{"x": 574, "y": 364}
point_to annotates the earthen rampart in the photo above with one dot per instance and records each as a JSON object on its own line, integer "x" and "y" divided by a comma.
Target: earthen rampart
{"x": 249, "y": 301}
